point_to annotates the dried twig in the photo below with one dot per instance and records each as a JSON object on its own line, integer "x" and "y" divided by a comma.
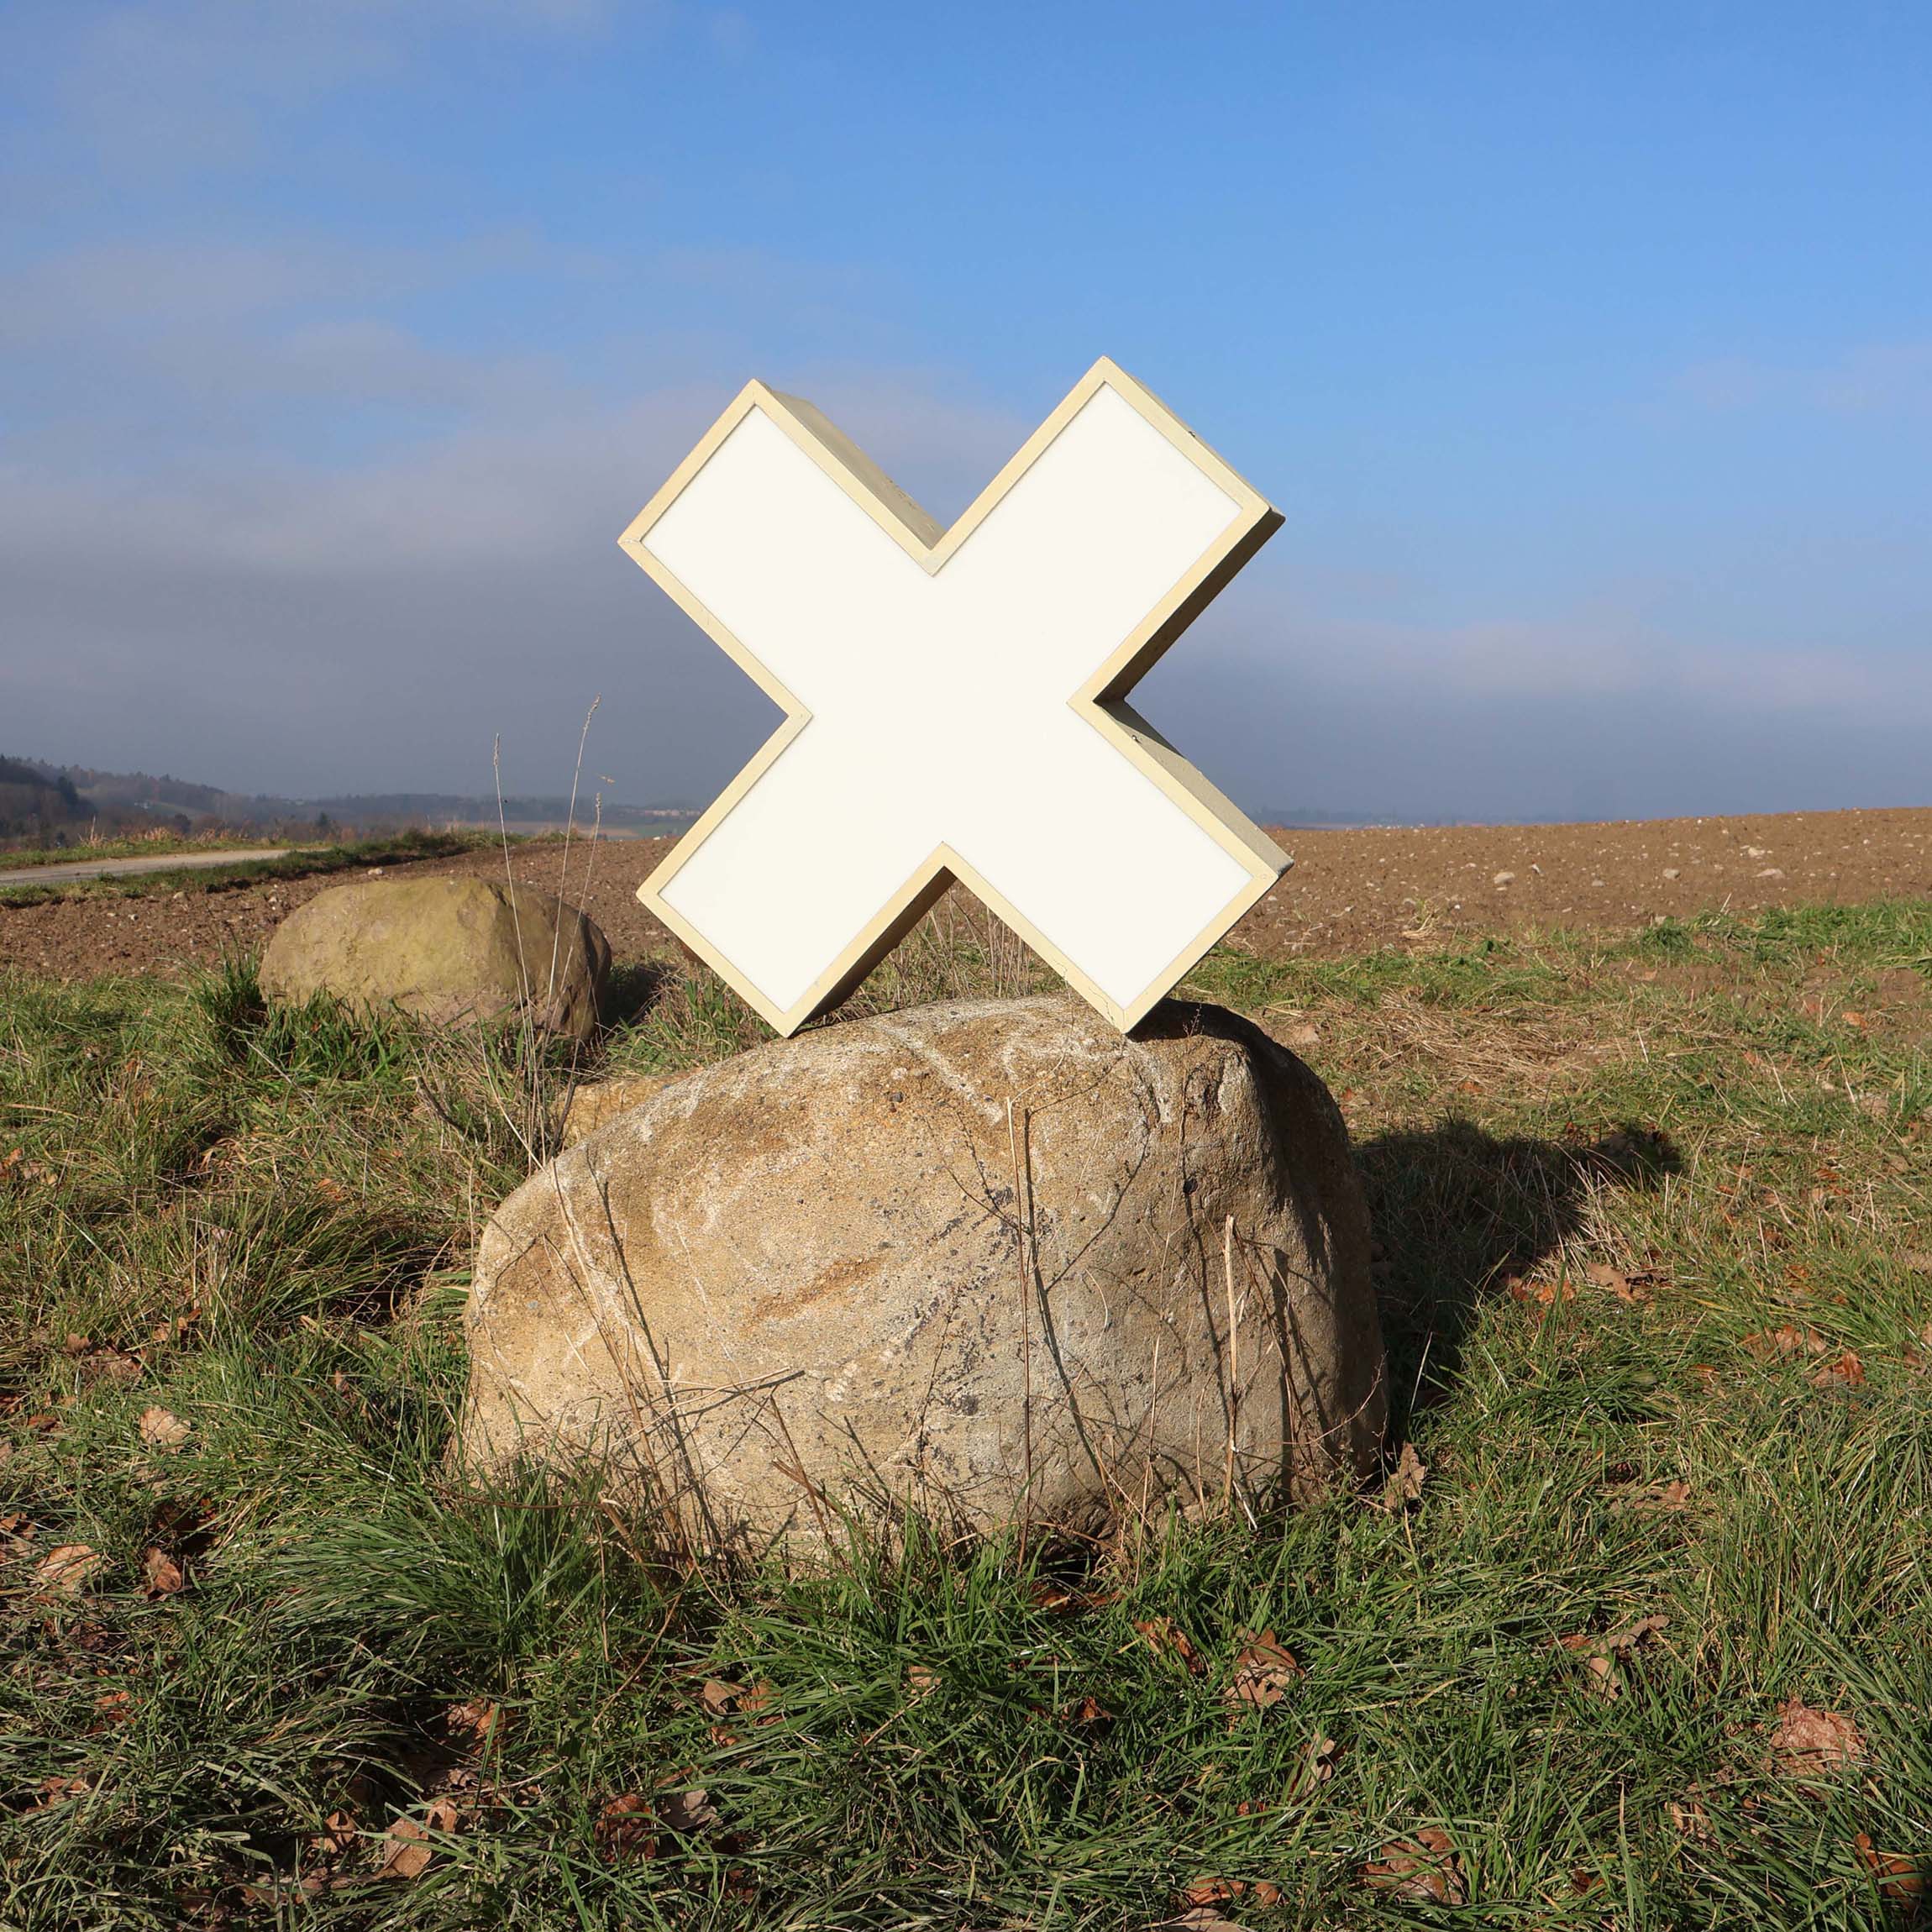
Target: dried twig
{"x": 1021, "y": 1218}
{"x": 1233, "y": 1359}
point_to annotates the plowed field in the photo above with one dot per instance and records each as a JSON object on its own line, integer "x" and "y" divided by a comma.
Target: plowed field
{"x": 1350, "y": 891}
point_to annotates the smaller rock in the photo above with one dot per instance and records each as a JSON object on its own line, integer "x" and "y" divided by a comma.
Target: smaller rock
{"x": 446, "y": 950}
{"x": 1772, "y": 872}
{"x": 1503, "y": 878}
{"x": 1671, "y": 872}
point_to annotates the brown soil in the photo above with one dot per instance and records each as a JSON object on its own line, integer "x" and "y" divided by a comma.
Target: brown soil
{"x": 1349, "y": 892}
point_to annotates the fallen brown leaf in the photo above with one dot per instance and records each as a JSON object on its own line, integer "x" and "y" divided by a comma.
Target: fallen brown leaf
{"x": 161, "y": 1431}
{"x": 1426, "y": 1866}
{"x": 409, "y": 1848}
{"x": 1664, "y": 1498}
{"x": 1087, "y": 1712}
{"x": 67, "y": 1569}
{"x": 1691, "y": 1820}
{"x": 1603, "y": 1275}
{"x": 1199, "y": 1919}
{"x": 406, "y": 1852}
{"x": 1541, "y": 1291}
{"x": 1404, "y": 1484}
{"x": 172, "y": 1332}
{"x": 1779, "y": 1342}
{"x": 1845, "y": 1371}
{"x": 163, "y": 1575}
{"x": 115, "y": 1706}
{"x": 1809, "y": 1743}
{"x": 1900, "y": 1880}
{"x": 1598, "y": 1652}
{"x": 1634, "y": 1635}
{"x": 338, "y": 1834}
{"x": 58, "y": 1790}
{"x": 687, "y": 1812}
{"x": 921, "y": 1680}
{"x": 1060, "y": 1600}
{"x": 1264, "y": 1671}
{"x": 716, "y": 1696}
{"x": 475, "y": 1718}
{"x": 1165, "y": 1637}
{"x": 626, "y": 1828}
{"x": 1261, "y": 1892}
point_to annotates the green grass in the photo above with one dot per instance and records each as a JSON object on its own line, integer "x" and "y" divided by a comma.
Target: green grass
{"x": 302, "y": 862}
{"x": 137, "y": 845}
{"x": 262, "y": 1225}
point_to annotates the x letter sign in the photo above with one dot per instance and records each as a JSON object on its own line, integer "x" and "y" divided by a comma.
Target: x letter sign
{"x": 955, "y": 700}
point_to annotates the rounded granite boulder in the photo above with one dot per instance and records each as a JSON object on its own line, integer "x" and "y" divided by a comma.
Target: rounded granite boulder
{"x": 446, "y": 950}
{"x": 986, "y": 1259}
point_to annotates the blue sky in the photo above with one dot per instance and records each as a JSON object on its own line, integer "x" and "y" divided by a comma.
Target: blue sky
{"x": 1588, "y": 352}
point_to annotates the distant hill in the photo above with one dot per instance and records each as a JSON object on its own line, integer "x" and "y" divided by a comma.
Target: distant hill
{"x": 39, "y": 799}
{"x": 35, "y": 801}
{"x": 164, "y": 797}
{"x": 456, "y": 808}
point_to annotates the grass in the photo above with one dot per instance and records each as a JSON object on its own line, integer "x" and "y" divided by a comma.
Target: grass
{"x": 302, "y": 861}
{"x": 1638, "y": 1207}
{"x": 134, "y": 845}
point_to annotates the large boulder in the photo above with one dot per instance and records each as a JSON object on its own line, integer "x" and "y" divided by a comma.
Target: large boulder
{"x": 975, "y": 1257}
{"x": 445, "y": 950}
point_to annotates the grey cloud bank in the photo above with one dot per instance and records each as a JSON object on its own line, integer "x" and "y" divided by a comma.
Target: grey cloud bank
{"x": 318, "y": 628}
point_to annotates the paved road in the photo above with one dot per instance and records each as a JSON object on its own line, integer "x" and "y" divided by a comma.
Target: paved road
{"x": 112, "y": 868}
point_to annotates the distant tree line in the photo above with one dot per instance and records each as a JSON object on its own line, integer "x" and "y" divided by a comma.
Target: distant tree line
{"x": 31, "y": 802}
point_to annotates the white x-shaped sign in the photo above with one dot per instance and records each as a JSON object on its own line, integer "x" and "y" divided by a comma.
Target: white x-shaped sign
{"x": 955, "y": 700}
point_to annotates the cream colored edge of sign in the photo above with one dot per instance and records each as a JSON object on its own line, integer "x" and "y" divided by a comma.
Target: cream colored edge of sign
{"x": 1101, "y": 701}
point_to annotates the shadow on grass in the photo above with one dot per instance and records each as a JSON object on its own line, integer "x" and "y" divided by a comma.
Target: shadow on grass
{"x": 1458, "y": 1213}
{"x": 633, "y": 989}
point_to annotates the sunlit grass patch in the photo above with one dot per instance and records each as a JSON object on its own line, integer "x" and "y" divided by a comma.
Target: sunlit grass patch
{"x": 1656, "y": 1254}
